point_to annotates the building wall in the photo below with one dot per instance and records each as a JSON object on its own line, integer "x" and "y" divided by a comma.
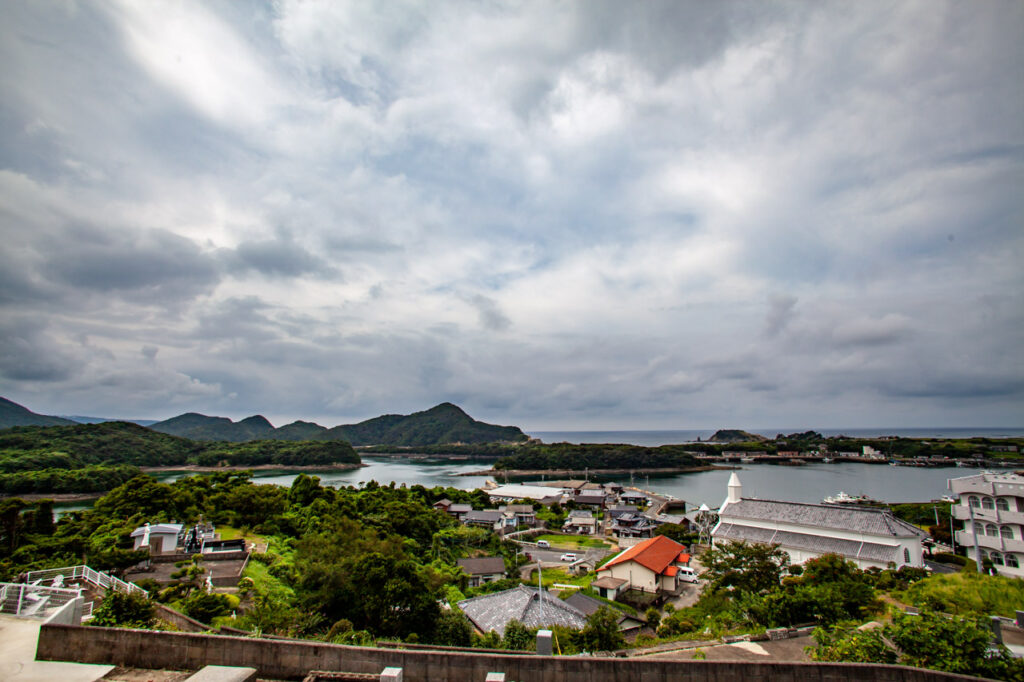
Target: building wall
{"x": 999, "y": 531}
{"x": 638, "y": 577}
{"x": 292, "y": 660}
{"x": 798, "y": 556}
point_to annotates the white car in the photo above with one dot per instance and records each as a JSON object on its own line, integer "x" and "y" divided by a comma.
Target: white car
{"x": 568, "y": 556}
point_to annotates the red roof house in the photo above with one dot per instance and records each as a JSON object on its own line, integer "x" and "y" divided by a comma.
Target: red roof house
{"x": 650, "y": 566}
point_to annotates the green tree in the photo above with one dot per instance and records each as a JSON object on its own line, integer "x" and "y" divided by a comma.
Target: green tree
{"x": 453, "y": 629}
{"x": 517, "y": 637}
{"x": 393, "y": 600}
{"x": 745, "y": 567}
{"x": 204, "y": 607}
{"x": 601, "y": 633}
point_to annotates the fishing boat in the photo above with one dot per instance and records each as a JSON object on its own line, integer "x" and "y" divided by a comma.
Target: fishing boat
{"x": 844, "y": 498}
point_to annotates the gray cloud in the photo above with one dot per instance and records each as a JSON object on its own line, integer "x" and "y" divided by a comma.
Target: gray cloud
{"x": 558, "y": 215}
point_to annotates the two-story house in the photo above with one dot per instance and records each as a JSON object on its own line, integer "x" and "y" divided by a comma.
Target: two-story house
{"x": 992, "y": 508}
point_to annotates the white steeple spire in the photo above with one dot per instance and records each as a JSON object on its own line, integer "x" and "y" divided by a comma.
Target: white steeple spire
{"x": 735, "y": 489}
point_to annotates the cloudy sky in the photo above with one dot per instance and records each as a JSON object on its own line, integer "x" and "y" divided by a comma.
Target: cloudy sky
{"x": 559, "y": 215}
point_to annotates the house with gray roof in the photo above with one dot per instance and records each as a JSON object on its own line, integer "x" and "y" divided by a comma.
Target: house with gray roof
{"x": 159, "y": 538}
{"x": 482, "y": 569}
{"x": 867, "y": 536}
{"x": 531, "y": 606}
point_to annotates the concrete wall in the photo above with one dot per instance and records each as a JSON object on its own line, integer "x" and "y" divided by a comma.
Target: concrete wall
{"x": 180, "y": 619}
{"x": 292, "y": 660}
{"x": 69, "y": 614}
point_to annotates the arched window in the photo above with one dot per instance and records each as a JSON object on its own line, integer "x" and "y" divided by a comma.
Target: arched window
{"x": 988, "y": 503}
{"x": 974, "y": 501}
{"x": 996, "y": 558}
{"x": 979, "y": 529}
{"x": 906, "y": 555}
{"x": 990, "y": 529}
{"x": 1002, "y": 504}
{"x": 1006, "y": 532}
{"x": 1011, "y": 561}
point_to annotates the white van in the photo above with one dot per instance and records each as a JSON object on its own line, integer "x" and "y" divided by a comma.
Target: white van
{"x": 544, "y": 544}
{"x": 686, "y": 575}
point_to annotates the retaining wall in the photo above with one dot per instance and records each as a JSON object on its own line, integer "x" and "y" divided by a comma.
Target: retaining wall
{"x": 292, "y": 660}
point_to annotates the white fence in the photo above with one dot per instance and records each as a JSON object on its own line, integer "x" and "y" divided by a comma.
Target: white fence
{"x": 87, "y": 574}
{"x": 24, "y": 599}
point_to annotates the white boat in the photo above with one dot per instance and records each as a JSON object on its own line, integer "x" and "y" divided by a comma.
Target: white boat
{"x": 843, "y": 498}
{"x": 827, "y": 460}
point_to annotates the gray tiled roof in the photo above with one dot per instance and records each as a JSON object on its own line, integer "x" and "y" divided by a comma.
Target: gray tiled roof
{"x": 459, "y": 508}
{"x": 494, "y": 611}
{"x": 485, "y": 516}
{"x": 853, "y": 549}
{"x": 857, "y": 519}
{"x": 487, "y": 565}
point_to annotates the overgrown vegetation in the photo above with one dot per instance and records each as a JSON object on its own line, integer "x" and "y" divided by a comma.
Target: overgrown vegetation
{"x": 97, "y": 457}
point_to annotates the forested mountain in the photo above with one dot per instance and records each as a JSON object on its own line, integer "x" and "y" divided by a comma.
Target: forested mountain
{"x": 13, "y": 414}
{"x": 445, "y": 423}
{"x": 95, "y": 457}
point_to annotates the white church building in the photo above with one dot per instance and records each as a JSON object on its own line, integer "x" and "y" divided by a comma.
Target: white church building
{"x": 866, "y": 536}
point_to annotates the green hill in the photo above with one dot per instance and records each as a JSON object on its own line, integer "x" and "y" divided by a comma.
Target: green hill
{"x": 96, "y": 457}
{"x": 13, "y": 414}
{"x": 443, "y": 424}
{"x": 736, "y": 436}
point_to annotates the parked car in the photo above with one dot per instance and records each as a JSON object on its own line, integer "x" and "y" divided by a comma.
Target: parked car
{"x": 543, "y": 543}
{"x": 687, "y": 575}
{"x": 568, "y": 556}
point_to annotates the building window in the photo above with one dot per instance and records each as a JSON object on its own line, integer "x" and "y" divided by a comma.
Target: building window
{"x": 1006, "y": 532}
{"x": 988, "y": 503}
{"x": 1002, "y": 504}
{"x": 906, "y": 555}
{"x": 979, "y": 529}
{"x": 996, "y": 558}
{"x": 1011, "y": 561}
{"x": 974, "y": 501}
{"x": 990, "y": 529}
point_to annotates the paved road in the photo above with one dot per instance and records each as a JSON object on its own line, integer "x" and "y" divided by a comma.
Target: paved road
{"x": 18, "y": 638}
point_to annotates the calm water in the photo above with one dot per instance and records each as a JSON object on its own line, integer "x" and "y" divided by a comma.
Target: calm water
{"x": 809, "y": 483}
{"x": 670, "y": 437}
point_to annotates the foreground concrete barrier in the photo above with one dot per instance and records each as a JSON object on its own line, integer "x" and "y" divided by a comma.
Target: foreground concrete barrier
{"x": 291, "y": 660}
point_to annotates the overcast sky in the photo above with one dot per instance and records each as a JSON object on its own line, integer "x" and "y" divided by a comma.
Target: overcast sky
{"x": 560, "y": 215}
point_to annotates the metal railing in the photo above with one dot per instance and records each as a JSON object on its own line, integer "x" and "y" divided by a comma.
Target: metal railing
{"x": 26, "y": 599}
{"x": 89, "y": 575}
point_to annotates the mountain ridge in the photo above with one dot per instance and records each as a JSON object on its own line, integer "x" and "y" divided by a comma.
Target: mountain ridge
{"x": 442, "y": 424}
{"x": 13, "y": 414}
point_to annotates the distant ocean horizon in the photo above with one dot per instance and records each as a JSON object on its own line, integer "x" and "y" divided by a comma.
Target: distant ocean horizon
{"x": 651, "y": 438}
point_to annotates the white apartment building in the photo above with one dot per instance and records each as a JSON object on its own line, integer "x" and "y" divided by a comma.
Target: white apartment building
{"x": 991, "y": 506}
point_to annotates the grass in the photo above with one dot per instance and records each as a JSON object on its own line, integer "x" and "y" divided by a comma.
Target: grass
{"x": 229, "y": 533}
{"x": 573, "y": 542}
{"x": 967, "y": 594}
{"x": 562, "y": 577}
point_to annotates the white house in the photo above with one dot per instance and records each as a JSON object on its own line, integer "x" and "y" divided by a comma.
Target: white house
{"x": 992, "y": 509}
{"x": 866, "y": 536}
{"x": 650, "y": 566}
{"x": 161, "y": 538}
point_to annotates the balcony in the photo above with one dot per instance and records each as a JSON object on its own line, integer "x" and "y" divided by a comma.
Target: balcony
{"x": 962, "y": 513}
{"x": 990, "y": 542}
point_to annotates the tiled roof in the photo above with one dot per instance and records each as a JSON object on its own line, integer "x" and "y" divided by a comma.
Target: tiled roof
{"x": 656, "y": 554}
{"x": 853, "y": 549}
{"x": 494, "y": 611}
{"x": 683, "y": 558}
{"x": 581, "y": 514}
{"x": 857, "y": 519}
{"x": 608, "y": 582}
{"x": 485, "y": 516}
{"x": 460, "y": 508}
{"x": 487, "y": 565}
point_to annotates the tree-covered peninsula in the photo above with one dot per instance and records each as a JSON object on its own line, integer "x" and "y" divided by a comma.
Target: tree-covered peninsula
{"x": 85, "y": 458}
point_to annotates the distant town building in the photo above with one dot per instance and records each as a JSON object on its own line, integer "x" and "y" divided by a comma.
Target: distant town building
{"x": 869, "y": 537}
{"x": 482, "y": 569}
{"x": 992, "y": 509}
{"x": 513, "y": 492}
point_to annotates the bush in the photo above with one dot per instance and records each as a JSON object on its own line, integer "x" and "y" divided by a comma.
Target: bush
{"x": 205, "y": 607}
{"x": 124, "y": 610}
